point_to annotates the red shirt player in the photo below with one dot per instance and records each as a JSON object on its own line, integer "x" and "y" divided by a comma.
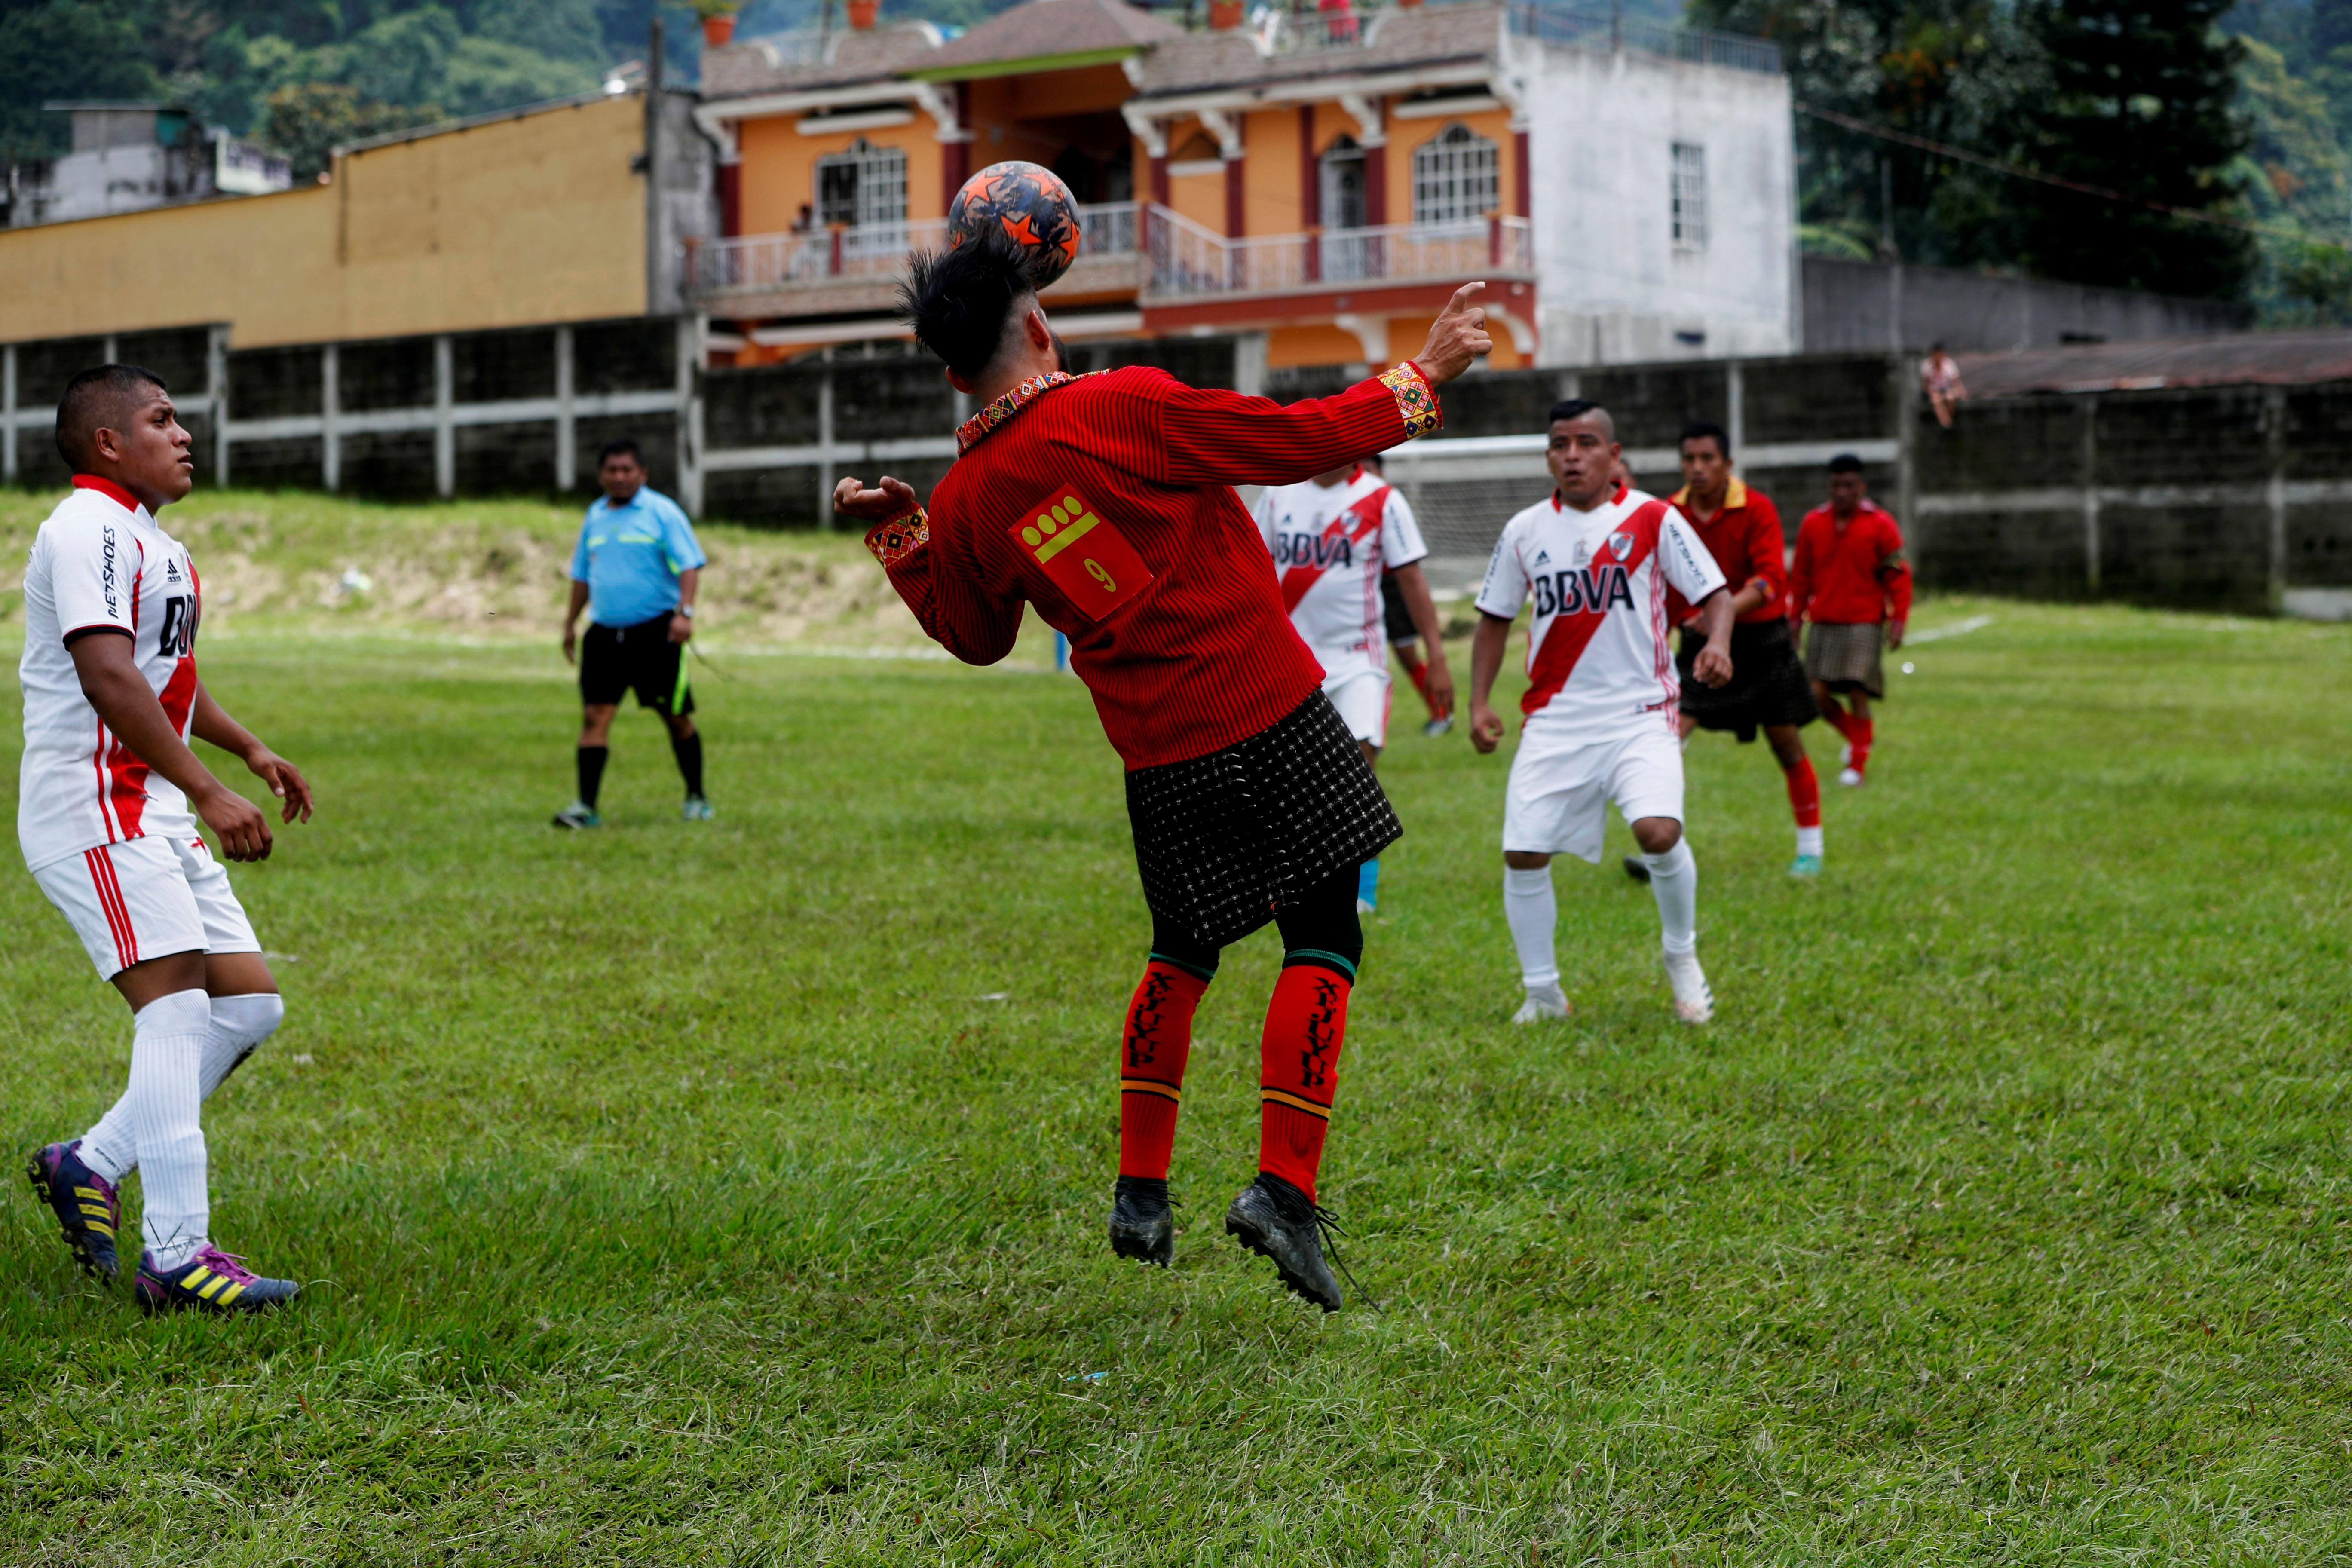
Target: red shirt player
{"x": 1107, "y": 503}
{"x": 1768, "y": 690}
{"x": 1851, "y": 581}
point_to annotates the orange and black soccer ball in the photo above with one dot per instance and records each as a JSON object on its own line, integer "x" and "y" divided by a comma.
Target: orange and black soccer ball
{"x": 1034, "y": 208}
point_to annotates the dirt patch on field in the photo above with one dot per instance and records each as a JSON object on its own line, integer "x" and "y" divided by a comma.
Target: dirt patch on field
{"x": 496, "y": 569}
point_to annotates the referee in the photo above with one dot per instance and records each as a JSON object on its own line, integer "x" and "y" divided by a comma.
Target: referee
{"x": 636, "y": 570}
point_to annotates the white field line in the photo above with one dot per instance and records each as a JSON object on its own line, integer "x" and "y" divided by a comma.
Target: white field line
{"x": 1957, "y": 629}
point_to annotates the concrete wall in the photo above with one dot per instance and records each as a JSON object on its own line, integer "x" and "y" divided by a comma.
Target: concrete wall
{"x": 1865, "y": 306}
{"x": 528, "y": 219}
{"x": 1613, "y": 286}
{"x": 519, "y": 410}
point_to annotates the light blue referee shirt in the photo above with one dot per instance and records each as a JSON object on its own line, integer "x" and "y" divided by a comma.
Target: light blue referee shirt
{"x": 630, "y": 556}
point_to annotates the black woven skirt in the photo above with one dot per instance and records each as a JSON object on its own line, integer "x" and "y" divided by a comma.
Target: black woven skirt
{"x": 1767, "y": 684}
{"x": 1846, "y": 657}
{"x": 1221, "y": 840}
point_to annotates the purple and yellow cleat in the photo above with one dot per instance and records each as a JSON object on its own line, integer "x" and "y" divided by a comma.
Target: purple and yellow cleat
{"x": 86, "y": 1204}
{"x": 211, "y": 1281}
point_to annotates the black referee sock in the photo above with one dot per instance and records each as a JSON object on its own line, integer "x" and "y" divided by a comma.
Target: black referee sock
{"x": 592, "y": 773}
{"x": 689, "y": 751}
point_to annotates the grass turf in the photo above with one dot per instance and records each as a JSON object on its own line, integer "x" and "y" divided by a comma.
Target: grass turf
{"x": 734, "y": 1192}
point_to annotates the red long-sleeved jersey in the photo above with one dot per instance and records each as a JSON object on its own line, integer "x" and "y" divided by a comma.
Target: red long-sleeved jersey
{"x": 1852, "y": 575}
{"x": 1107, "y": 501}
{"x": 1744, "y": 537}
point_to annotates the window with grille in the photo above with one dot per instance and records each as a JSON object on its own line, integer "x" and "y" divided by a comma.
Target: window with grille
{"x": 1688, "y": 212}
{"x": 1453, "y": 178}
{"x": 864, "y": 187}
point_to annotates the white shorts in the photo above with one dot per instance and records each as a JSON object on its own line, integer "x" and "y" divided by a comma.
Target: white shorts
{"x": 144, "y": 898}
{"x": 1557, "y": 802}
{"x": 1361, "y": 695}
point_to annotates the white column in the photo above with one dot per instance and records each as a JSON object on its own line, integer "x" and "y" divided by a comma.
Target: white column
{"x": 567, "y": 431}
{"x": 1734, "y": 412}
{"x": 2088, "y": 466}
{"x": 444, "y": 426}
{"x": 216, "y": 385}
{"x": 8, "y": 414}
{"x": 331, "y": 406}
{"x": 825, "y": 445}
{"x": 2274, "y": 492}
{"x": 1249, "y": 365}
{"x": 689, "y": 414}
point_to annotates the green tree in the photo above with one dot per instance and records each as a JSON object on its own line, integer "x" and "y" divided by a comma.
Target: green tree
{"x": 2142, "y": 101}
{"x": 1950, "y": 70}
{"x": 64, "y": 49}
{"x": 308, "y": 121}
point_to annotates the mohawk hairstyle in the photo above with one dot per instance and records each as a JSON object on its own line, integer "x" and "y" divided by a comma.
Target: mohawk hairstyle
{"x": 1577, "y": 408}
{"x": 960, "y": 299}
{"x": 103, "y": 397}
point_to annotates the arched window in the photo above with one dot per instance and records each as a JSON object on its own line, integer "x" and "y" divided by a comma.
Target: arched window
{"x": 1343, "y": 185}
{"x": 864, "y": 187}
{"x": 1453, "y": 178}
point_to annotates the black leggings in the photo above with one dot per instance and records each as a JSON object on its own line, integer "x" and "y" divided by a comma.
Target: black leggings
{"x": 1322, "y": 918}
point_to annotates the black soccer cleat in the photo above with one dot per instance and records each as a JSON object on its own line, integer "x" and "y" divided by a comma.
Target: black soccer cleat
{"x": 1142, "y": 1225}
{"x": 1636, "y": 870}
{"x": 1276, "y": 1220}
{"x": 211, "y": 1281}
{"x": 88, "y": 1208}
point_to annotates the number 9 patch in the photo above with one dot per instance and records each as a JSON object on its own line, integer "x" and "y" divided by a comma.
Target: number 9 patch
{"x": 1086, "y": 557}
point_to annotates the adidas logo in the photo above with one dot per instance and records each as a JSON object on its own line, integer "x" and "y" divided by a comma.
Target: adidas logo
{"x": 172, "y": 571}
{"x": 1543, "y": 557}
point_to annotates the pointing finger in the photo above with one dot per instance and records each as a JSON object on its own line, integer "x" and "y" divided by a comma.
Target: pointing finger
{"x": 1461, "y": 300}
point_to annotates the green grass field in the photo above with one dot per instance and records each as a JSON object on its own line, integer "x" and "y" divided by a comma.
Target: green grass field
{"x": 734, "y": 1194}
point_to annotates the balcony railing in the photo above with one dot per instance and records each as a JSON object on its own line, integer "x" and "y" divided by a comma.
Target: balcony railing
{"x": 1190, "y": 262}
{"x": 764, "y": 263}
{"x": 1605, "y": 27}
{"x": 1186, "y": 262}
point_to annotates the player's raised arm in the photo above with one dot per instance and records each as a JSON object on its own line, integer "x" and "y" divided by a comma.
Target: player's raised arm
{"x": 210, "y": 723}
{"x": 1204, "y": 436}
{"x": 117, "y": 690}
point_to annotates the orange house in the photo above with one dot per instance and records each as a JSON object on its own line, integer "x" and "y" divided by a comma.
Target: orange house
{"x": 1316, "y": 184}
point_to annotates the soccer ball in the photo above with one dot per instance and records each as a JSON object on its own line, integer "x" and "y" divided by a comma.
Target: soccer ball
{"x": 1033, "y": 206}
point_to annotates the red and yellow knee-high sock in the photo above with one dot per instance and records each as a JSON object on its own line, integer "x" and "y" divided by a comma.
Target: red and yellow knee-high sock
{"x": 1305, "y": 1024}
{"x": 1804, "y": 793}
{"x": 1416, "y": 669}
{"x": 1151, "y": 1065}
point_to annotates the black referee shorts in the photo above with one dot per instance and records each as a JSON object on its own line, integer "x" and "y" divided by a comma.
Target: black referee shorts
{"x": 614, "y": 660}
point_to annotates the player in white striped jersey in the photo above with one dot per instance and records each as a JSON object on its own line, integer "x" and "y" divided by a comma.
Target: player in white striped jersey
{"x": 111, "y": 816}
{"x": 1597, "y": 558}
{"x": 1333, "y": 538}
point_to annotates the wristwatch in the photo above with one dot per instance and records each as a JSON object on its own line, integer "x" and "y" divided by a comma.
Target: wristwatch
{"x": 685, "y": 610}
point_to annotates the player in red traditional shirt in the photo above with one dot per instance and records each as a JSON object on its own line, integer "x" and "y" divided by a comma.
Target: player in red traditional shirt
{"x": 1768, "y": 690}
{"x": 1107, "y": 501}
{"x": 1850, "y": 579}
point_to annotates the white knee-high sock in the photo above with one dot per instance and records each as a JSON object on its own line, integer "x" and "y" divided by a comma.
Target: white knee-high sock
{"x": 239, "y": 1025}
{"x": 167, "y": 1053}
{"x": 1673, "y": 882}
{"x": 1529, "y": 905}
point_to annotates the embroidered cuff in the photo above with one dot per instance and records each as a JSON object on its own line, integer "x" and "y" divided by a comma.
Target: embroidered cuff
{"x": 900, "y": 537}
{"x": 1416, "y": 400}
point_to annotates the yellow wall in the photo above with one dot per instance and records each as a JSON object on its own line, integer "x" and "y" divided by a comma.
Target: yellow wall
{"x": 514, "y": 223}
{"x": 1270, "y": 138}
{"x": 780, "y": 168}
{"x": 1404, "y": 135}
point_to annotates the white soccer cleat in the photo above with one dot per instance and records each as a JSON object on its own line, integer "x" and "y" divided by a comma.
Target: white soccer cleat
{"x": 1694, "y": 1002}
{"x": 1851, "y": 778}
{"x": 1543, "y": 1002}
{"x": 1366, "y": 907}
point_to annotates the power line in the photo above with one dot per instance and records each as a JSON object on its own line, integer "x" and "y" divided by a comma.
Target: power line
{"x": 2019, "y": 171}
